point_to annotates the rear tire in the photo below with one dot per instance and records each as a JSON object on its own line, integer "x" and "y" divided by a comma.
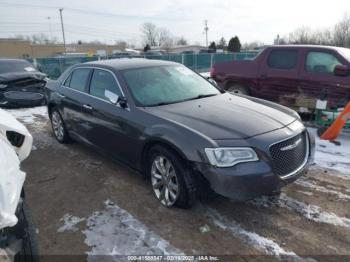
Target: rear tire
{"x": 238, "y": 89}
{"x": 176, "y": 175}
{"x": 58, "y": 127}
{"x": 29, "y": 252}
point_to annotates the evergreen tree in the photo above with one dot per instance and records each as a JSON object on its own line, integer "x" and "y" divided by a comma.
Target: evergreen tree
{"x": 146, "y": 48}
{"x": 212, "y": 46}
{"x": 234, "y": 45}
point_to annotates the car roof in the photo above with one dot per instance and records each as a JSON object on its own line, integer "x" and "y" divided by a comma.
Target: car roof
{"x": 304, "y": 46}
{"x": 128, "y": 63}
{"x": 7, "y": 60}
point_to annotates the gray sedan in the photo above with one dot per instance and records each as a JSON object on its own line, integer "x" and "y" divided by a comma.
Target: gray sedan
{"x": 169, "y": 123}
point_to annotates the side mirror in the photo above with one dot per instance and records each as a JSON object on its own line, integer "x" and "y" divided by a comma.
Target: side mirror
{"x": 122, "y": 102}
{"x": 341, "y": 70}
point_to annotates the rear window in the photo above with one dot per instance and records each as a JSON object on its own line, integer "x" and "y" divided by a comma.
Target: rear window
{"x": 283, "y": 59}
{"x": 8, "y": 66}
{"x": 79, "y": 78}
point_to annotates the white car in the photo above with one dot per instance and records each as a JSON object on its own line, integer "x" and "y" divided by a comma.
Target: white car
{"x": 15, "y": 146}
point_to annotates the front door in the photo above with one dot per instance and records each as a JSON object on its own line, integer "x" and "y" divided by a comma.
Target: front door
{"x": 318, "y": 80}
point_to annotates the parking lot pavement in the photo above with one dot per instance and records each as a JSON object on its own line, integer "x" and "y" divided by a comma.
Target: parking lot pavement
{"x": 84, "y": 203}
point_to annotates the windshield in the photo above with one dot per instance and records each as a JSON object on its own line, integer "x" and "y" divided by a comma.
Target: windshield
{"x": 345, "y": 52}
{"x": 15, "y": 66}
{"x": 152, "y": 86}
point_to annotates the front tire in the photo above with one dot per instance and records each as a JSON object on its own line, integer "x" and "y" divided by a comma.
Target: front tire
{"x": 58, "y": 127}
{"x": 172, "y": 181}
{"x": 238, "y": 89}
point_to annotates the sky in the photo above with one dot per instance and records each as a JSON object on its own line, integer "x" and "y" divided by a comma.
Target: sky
{"x": 111, "y": 20}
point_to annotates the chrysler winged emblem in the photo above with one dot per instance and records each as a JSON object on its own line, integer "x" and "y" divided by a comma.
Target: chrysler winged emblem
{"x": 292, "y": 146}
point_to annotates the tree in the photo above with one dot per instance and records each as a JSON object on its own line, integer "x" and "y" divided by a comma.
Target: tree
{"x": 341, "y": 32}
{"x": 149, "y": 32}
{"x": 164, "y": 37}
{"x": 255, "y": 45}
{"x": 234, "y": 45}
{"x": 181, "y": 41}
{"x": 212, "y": 46}
{"x": 146, "y": 48}
{"x": 222, "y": 43}
{"x": 121, "y": 44}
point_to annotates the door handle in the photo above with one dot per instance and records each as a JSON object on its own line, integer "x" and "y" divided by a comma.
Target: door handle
{"x": 263, "y": 76}
{"x": 60, "y": 95}
{"x": 87, "y": 107}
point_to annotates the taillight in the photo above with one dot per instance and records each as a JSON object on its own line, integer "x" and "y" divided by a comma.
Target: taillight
{"x": 212, "y": 72}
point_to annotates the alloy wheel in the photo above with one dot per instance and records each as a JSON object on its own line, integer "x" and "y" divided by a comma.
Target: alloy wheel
{"x": 164, "y": 181}
{"x": 57, "y": 125}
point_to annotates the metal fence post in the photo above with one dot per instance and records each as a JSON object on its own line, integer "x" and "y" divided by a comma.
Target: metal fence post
{"x": 183, "y": 59}
{"x": 211, "y": 60}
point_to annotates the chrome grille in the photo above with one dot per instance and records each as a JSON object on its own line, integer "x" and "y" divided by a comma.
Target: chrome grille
{"x": 290, "y": 155}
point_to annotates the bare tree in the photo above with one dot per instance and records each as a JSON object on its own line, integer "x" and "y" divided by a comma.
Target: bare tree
{"x": 149, "y": 32}
{"x": 164, "y": 36}
{"x": 341, "y": 33}
{"x": 121, "y": 44}
{"x": 181, "y": 41}
{"x": 252, "y": 45}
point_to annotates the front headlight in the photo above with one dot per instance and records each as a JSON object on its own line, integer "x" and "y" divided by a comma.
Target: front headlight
{"x": 230, "y": 156}
{"x": 2, "y": 86}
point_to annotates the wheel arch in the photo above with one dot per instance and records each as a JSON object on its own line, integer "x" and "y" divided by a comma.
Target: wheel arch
{"x": 166, "y": 144}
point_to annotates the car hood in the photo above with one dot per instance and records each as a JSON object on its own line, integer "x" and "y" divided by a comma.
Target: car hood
{"x": 224, "y": 116}
{"x": 13, "y": 76}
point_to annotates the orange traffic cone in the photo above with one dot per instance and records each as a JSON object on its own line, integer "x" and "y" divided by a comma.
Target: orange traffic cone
{"x": 334, "y": 130}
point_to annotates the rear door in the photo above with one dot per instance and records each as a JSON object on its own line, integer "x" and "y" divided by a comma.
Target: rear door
{"x": 107, "y": 122}
{"x": 73, "y": 93}
{"x": 318, "y": 80}
{"x": 278, "y": 75}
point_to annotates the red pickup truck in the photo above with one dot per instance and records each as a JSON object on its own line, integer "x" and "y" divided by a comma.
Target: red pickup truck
{"x": 292, "y": 75}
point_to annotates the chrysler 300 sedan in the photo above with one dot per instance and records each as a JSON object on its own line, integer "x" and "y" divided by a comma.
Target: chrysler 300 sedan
{"x": 171, "y": 124}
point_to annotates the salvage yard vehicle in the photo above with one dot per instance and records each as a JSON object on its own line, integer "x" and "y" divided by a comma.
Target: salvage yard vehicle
{"x": 292, "y": 75}
{"x": 188, "y": 136}
{"x": 17, "y": 236}
{"x": 21, "y": 85}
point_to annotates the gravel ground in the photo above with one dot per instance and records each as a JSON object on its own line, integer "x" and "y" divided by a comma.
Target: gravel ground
{"x": 85, "y": 204}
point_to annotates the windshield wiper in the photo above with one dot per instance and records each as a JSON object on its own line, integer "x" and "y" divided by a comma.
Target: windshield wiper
{"x": 179, "y": 101}
{"x": 201, "y": 96}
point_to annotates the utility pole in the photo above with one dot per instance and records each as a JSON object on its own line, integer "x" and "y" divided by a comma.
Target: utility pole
{"x": 206, "y": 28}
{"x": 50, "y": 30}
{"x": 64, "y": 38}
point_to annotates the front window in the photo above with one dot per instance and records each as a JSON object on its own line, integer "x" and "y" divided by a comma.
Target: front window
{"x": 152, "y": 86}
{"x": 101, "y": 82}
{"x": 321, "y": 62}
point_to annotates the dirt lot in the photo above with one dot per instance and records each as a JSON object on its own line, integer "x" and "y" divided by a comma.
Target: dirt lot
{"x": 83, "y": 202}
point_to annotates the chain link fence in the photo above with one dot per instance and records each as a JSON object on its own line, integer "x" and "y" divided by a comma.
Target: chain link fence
{"x": 54, "y": 67}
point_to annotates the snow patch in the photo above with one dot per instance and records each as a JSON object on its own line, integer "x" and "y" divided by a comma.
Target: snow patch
{"x": 308, "y": 193}
{"x": 30, "y": 116}
{"x": 314, "y": 186}
{"x": 311, "y": 212}
{"x": 329, "y": 155}
{"x": 70, "y": 223}
{"x": 262, "y": 243}
{"x": 114, "y": 231}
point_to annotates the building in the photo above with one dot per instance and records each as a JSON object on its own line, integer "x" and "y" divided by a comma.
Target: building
{"x": 19, "y": 48}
